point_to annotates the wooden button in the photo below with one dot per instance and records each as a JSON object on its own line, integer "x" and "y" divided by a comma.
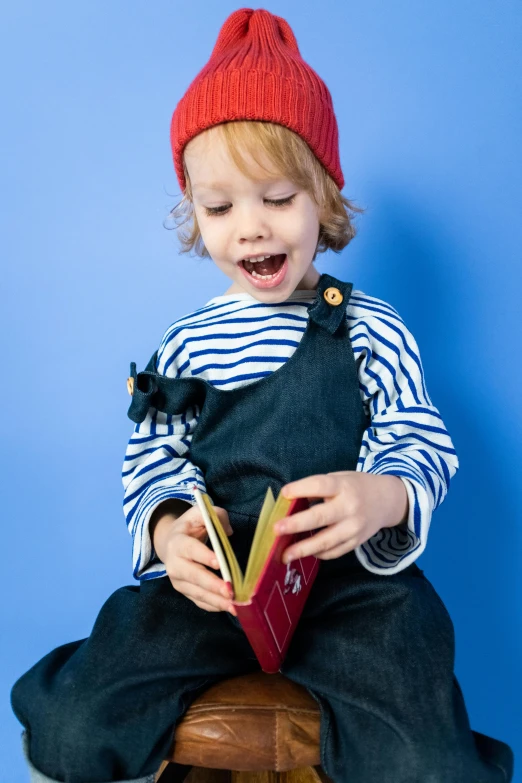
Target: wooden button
{"x": 130, "y": 386}
{"x": 333, "y": 296}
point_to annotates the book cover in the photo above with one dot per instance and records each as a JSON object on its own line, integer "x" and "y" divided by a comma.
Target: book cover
{"x": 270, "y": 597}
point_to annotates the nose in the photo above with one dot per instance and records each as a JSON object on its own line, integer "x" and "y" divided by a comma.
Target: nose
{"x": 252, "y": 225}
{"x": 249, "y": 244}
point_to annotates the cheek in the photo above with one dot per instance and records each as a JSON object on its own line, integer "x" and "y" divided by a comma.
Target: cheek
{"x": 303, "y": 232}
{"x": 212, "y": 233}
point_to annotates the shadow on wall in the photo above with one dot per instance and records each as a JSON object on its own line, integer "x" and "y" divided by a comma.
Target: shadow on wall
{"x": 419, "y": 267}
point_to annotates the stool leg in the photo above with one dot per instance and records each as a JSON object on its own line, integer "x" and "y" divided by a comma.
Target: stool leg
{"x": 322, "y": 776}
{"x": 301, "y": 775}
{"x": 161, "y": 770}
{"x": 206, "y": 775}
{"x": 170, "y": 772}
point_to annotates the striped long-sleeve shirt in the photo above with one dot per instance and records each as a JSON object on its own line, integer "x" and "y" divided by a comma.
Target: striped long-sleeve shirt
{"x": 235, "y": 339}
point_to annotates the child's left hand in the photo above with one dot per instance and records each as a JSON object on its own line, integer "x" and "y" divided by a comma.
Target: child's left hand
{"x": 356, "y": 506}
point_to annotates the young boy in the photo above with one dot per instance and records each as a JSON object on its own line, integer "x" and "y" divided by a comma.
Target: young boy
{"x": 294, "y": 379}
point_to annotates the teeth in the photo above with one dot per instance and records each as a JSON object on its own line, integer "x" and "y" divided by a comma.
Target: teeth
{"x": 263, "y": 277}
{"x": 254, "y": 260}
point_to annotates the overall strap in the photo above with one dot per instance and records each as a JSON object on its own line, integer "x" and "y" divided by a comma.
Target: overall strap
{"x": 173, "y": 395}
{"x": 329, "y": 308}
{"x": 169, "y": 395}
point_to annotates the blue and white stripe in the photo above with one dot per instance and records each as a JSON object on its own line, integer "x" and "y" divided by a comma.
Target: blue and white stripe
{"x": 234, "y": 340}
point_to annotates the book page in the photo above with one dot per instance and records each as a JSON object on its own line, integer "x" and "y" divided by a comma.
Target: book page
{"x": 230, "y": 571}
{"x": 264, "y": 516}
{"x": 264, "y": 542}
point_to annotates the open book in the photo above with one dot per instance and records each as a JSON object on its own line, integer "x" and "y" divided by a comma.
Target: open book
{"x": 270, "y": 597}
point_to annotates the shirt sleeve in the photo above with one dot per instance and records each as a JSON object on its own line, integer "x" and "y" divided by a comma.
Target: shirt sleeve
{"x": 157, "y": 466}
{"x": 406, "y": 436}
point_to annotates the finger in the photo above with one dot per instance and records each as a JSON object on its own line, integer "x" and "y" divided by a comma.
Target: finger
{"x": 319, "y": 515}
{"x": 312, "y": 545}
{"x": 194, "y": 549}
{"x": 210, "y": 608}
{"x": 198, "y": 575}
{"x": 192, "y": 522}
{"x": 320, "y": 485}
{"x": 207, "y": 607}
{"x": 197, "y": 593}
{"x": 193, "y": 515}
{"x": 196, "y": 529}
{"x": 196, "y": 525}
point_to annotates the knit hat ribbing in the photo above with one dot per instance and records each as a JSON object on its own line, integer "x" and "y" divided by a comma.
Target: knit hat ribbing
{"x": 256, "y": 72}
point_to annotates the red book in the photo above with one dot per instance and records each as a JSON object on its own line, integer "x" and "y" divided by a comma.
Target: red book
{"x": 270, "y": 597}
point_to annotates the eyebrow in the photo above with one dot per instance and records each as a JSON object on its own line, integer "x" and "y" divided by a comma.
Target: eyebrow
{"x": 223, "y": 186}
{"x": 209, "y": 186}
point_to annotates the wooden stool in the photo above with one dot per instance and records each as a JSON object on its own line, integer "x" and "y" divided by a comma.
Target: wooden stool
{"x": 256, "y": 728}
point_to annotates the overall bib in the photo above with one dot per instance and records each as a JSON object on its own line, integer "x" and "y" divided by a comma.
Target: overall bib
{"x": 376, "y": 652}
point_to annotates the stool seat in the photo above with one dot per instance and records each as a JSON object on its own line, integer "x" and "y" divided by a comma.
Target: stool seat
{"x": 252, "y": 722}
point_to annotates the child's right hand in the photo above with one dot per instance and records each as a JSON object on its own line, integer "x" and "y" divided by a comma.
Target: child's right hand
{"x": 180, "y": 543}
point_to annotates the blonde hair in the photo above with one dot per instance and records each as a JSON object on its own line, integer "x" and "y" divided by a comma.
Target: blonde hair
{"x": 292, "y": 159}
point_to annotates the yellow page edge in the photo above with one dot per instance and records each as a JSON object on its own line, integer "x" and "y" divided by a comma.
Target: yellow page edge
{"x": 223, "y": 566}
{"x": 276, "y": 511}
{"x": 227, "y": 561}
{"x": 261, "y": 525}
{"x": 237, "y": 576}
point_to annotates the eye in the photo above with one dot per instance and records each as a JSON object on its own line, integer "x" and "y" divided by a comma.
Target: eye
{"x": 281, "y": 202}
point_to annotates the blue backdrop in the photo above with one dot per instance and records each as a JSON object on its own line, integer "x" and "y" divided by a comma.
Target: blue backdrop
{"x": 428, "y": 102}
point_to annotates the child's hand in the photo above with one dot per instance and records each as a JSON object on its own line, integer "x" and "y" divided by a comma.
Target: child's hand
{"x": 180, "y": 545}
{"x": 356, "y": 506}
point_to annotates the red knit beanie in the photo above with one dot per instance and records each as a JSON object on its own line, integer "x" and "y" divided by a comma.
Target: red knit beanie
{"x": 256, "y": 72}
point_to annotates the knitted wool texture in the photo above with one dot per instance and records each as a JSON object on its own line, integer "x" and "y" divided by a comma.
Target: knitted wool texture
{"x": 256, "y": 72}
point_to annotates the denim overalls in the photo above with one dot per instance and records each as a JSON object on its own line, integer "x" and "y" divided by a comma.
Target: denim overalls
{"x": 376, "y": 652}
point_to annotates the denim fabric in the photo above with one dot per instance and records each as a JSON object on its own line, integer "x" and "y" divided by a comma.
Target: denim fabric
{"x": 381, "y": 668}
{"x": 103, "y": 708}
{"x": 37, "y": 777}
{"x": 376, "y": 652}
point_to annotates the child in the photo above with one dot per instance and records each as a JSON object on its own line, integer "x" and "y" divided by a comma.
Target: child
{"x": 291, "y": 379}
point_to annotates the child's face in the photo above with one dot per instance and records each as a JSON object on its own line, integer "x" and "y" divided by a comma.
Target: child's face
{"x": 249, "y": 224}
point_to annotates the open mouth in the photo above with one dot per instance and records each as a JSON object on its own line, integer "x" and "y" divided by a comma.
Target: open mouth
{"x": 266, "y": 269}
